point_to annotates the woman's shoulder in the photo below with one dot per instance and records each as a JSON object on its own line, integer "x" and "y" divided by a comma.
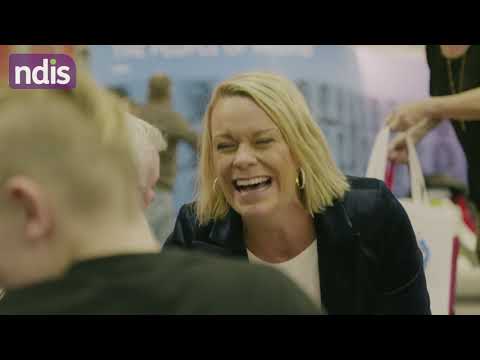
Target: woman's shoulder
{"x": 364, "y": 183}
{"x": 187, "y": 216}
{"x": 369, "y": 197}
{"x": 187, "y": 228}
{"x": 187, "y": 211}
{"x": 365, "y": 189}
{"x": 377, "y": 215}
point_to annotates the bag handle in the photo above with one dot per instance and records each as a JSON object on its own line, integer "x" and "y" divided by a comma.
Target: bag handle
{"x": 377, "y": 165}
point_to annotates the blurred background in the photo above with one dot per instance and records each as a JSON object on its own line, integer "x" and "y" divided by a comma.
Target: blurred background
{"x": 349, "y": 88}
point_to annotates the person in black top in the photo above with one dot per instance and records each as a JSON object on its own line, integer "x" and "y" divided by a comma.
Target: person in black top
{"x": 142, "y": 284}
{"x": 455, "y": 95}
{"x": 73, "y": 237}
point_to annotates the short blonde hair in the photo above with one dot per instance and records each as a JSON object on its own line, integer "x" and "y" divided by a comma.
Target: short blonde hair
{"x": 280, "y": 99}
{"x": 75, "y": 142}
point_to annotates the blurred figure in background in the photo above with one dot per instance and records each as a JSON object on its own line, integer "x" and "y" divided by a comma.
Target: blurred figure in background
{"x": 455, "y": 95}
{"x": 159, "y": 113}
{"x": 73, "y": 236}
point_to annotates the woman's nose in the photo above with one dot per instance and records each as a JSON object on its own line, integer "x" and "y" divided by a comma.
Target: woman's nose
{"x": 244, "y": 157}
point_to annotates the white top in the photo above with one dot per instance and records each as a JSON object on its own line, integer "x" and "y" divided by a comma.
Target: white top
{"x": 302, "y": 269}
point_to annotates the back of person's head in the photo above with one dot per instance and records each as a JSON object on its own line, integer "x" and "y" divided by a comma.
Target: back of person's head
{"x": 71, "y": 142}
{"x": 66, "y": 159}
{"x": 159, "y": 87}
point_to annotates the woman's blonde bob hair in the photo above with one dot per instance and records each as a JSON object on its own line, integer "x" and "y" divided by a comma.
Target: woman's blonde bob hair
{"x": 286, "y": 107}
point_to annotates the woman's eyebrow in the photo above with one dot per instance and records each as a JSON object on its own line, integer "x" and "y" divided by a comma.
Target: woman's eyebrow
{"x": 227, "y": 135}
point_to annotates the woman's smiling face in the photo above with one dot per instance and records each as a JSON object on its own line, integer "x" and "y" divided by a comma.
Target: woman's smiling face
{"x": 254, "y": 166}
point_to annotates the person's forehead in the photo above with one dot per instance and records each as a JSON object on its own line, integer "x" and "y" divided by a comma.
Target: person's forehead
{"x": 239, "y": 114}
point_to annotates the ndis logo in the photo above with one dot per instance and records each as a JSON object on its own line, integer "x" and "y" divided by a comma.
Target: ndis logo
{"x": 42, "y": 71}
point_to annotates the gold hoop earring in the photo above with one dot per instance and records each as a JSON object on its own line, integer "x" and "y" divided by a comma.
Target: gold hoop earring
{"x": 301, "y": 184}
{"x": 214, "y": 187}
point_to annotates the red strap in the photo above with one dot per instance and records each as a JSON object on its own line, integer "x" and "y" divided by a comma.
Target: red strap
{"x": 453, "y": 275}
{"x": 389, "y": 175}
{"x": 468, "y": 217}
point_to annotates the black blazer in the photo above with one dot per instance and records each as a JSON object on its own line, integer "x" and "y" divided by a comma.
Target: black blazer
{"x": 369, "y": 260}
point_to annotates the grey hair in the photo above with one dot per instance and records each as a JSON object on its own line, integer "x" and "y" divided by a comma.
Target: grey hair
{"x": 142, "y": 133}
{"x": 146, "y": 141}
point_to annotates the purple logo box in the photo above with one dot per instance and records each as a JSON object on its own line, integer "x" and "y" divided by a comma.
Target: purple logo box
{"x": 42, "y": 71}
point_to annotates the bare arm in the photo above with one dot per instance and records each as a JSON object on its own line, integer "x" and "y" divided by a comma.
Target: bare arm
{"x": 181, "y": 129}
{"x": 464, "y": 106}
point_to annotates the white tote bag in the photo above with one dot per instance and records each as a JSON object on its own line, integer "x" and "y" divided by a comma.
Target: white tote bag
{"x": 435, "y": 225}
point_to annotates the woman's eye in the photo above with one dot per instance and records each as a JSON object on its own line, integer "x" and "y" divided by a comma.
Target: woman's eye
{"x": 264, "y": 141}
{"x": 224, "y": 146}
